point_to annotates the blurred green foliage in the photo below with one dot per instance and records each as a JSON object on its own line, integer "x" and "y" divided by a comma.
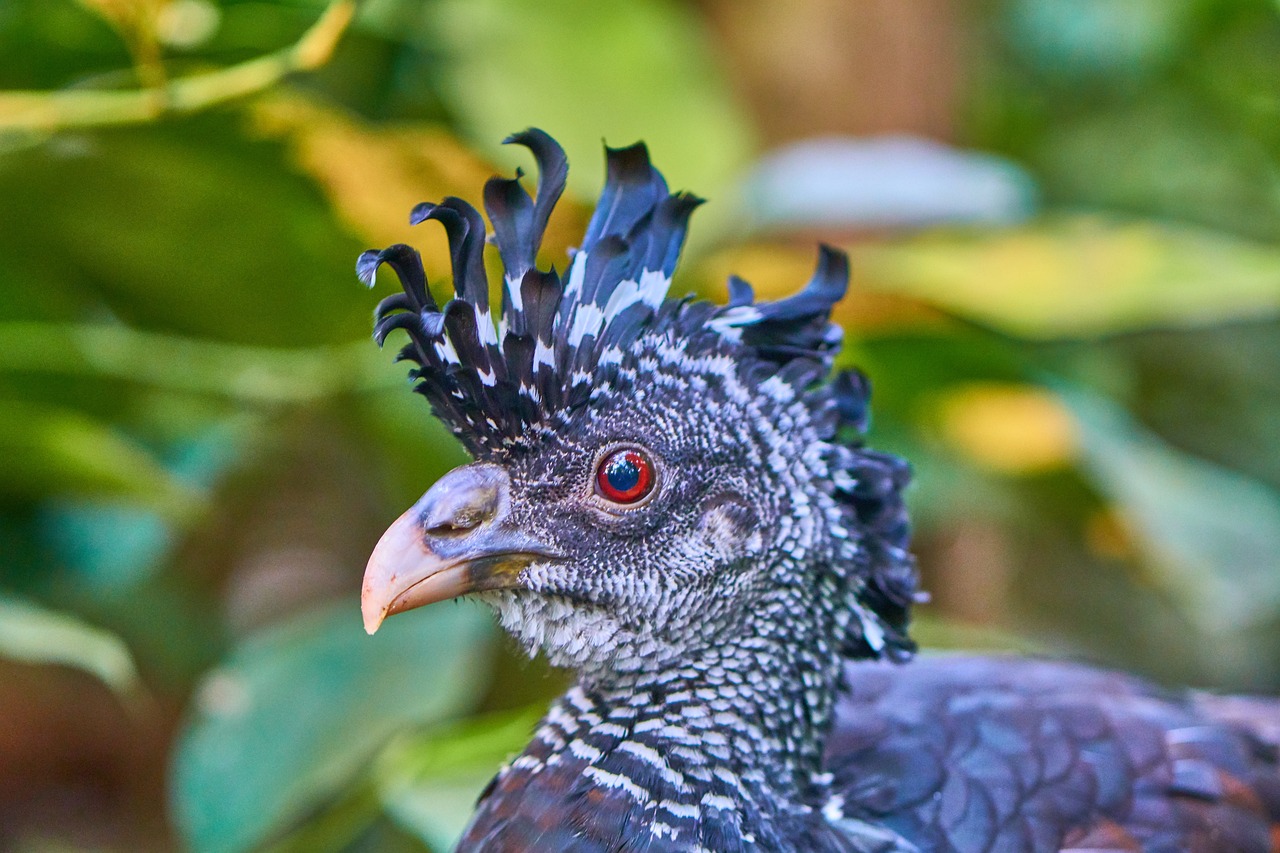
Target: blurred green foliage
{"x": 199, "y": 445}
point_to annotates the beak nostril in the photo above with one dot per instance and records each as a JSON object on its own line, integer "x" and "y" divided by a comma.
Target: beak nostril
{"x": 463, "y": 500}
{"x": 457, "y": 527}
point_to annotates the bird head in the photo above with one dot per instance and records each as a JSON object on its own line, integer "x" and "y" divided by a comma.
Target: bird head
{"x": 653, "y": 476}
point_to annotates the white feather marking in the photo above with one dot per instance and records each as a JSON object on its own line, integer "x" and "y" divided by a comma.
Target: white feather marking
{"x": 779, "y": 390}
{"x": 654, "y": 285}
{"x": 613, "y": 780}
{"x": 543, "y": 354}
{"x": 444, "y": 348}
{"x": 577, "y": 274}
{"x": 718, "y": 801}
{"x": 642, "y": 751}
{"x": 626, "y": 294}
{"x": 576, "y": 697}
{"x": 585, "y": 751}
{"x": 727, "y": 776}
{"x": 872, "y": 630}
{"x": 652, "y": 757}
{"x": 680, "y": 809}
{"x": 587, "y": 320}
{"x": 676, "y": 733}
{"x": 484, "y": 323}
{"x": 730, "y": 322}
{"x": 551, "y": 737}
{"x": 557, "y": 717}
{"x": 651, "y": 289}
{"x": 513, "y": 291}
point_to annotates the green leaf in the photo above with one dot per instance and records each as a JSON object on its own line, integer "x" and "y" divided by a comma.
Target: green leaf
{"x": 583, "y": 70}
{"x": 1212, "y": 535}
{"x": 1156, "y": 158}
{"x": 337, "y": 826}
{"x": 429, "y": 782}
{"x": 32, "y": 634}
{"x": 933, "y": 633}
{"x": 437, "y": 810}
{"x": 195, "y": 230}
{"x": 45, "y": 450}
{"x": 296, "y": 711}
{"x": 253, "y": 374}
{"x": 1082, "y": 276}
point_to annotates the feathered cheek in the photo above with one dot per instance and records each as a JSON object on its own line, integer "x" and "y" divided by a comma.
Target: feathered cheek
{"x": 730, "y": 529}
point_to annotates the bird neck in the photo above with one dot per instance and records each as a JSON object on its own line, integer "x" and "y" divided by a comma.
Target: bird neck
{"x": 712, "y": 743}
{"x": 719, "y": 753}
{"x": 754, "y": 703}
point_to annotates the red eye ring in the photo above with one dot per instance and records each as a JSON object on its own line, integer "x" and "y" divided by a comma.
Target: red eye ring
{"x": 625, "y": 476}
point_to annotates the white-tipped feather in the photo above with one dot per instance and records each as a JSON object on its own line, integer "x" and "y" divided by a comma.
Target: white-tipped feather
{"x": 729, "y": 324}
{"x": 654, "y": 285}
{"x": 577, "y": 274}
{"x": 543, "y": 355}
{"x": 588, "y": 319}
{"x": 444, "y": 348}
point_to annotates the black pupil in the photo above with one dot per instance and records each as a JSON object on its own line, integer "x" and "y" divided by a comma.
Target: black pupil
{"x": 623, "y": 473}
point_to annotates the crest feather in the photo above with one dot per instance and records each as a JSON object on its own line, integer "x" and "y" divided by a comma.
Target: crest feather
{"x": 556, "y": 338}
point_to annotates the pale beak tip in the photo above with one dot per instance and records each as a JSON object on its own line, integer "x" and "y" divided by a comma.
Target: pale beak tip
{"x": 372, "y": 614}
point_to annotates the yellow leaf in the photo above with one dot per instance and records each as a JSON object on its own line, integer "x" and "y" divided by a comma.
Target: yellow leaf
{"x": 373, "y": 176}
{"x": 1081, "y": 276}
{"x": 186, "y": 24}
{"x": 128, "y": 16}
{"x": 1009, "y": 428}
{"x": 136, "y": 21}
{"x": 46, "y": 450}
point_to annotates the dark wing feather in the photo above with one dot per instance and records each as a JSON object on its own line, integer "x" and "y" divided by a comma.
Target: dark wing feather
{"x": 978, "y": 755}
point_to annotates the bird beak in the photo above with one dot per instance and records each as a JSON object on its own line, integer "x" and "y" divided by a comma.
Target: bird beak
{"x": 453, "y": 541}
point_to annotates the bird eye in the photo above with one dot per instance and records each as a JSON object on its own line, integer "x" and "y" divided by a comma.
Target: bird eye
{"x": 624, "y": 476}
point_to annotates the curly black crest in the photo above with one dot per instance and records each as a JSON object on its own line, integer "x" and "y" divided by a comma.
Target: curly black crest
{"x": 557, "y": 337}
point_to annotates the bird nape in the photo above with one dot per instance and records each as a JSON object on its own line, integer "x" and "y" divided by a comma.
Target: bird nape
{"x": 672, "y": 498}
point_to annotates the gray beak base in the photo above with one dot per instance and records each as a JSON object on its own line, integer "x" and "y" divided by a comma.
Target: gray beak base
{"x": 453, "y": 541}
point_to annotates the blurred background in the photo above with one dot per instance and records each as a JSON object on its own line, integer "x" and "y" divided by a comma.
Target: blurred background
{"x": 1064, "y": 217}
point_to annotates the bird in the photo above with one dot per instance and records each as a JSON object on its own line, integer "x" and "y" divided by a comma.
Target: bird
{"x": 676, "y": 501}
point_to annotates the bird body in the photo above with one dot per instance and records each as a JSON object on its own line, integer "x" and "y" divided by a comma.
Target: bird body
{"x": 672, "y": 498}
{"x": 946, "y": 754}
